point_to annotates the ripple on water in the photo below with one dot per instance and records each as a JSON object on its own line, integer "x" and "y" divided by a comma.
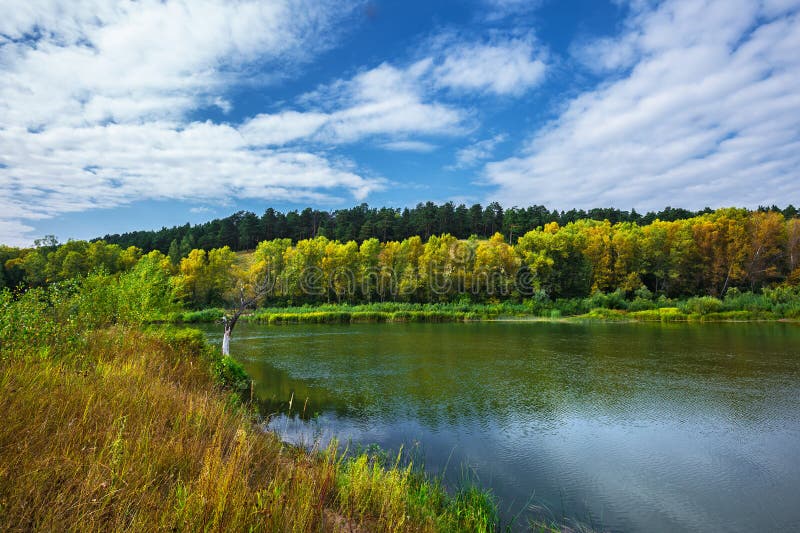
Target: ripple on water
{"x": 627, "y": 427}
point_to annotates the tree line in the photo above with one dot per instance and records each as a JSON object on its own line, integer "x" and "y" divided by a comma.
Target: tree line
{"x": 244, "y": 230}
{"x": 707, "y": 254}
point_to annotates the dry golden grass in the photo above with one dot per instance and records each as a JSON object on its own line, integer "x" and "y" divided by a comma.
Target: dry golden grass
{"x": 133, "y": 434}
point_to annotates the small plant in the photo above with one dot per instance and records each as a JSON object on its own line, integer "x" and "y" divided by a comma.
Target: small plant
{"x": 230, "y": 374}
{"x": 702, "y": 305}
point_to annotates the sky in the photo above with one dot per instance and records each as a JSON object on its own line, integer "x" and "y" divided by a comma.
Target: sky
{"x": 124, "y": 115}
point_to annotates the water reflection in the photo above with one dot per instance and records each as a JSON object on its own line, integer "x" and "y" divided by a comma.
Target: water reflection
{"x": 636, "y": 427}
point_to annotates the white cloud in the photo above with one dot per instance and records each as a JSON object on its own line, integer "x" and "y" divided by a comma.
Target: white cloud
{"x": 706, "y": 112}
{"x": 65, "y": 169}
{"x": 282, "y": 128}
{"x": 473, "y": 154}
{"x": 129, "y": 61}
{"x": 94, "y": 95}
{"x": 13, "y": 230}
{"x": 499, "y": 9}
{"x": 505, "y": 67}
{"x": 225, "y": 105}
{"x": 409, "y": 146}
{"x": 385, "y": 101}
{"x": 395, "y": 102}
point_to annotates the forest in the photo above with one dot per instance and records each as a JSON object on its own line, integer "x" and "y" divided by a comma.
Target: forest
{"x": 243, "y": 230}
{"x": 721, "y": 253}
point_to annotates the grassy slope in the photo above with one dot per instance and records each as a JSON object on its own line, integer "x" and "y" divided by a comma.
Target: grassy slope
{"x": 130, "y": 432}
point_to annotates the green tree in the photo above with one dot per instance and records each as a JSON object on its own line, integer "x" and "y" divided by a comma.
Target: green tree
{"x": 174, "y": 252}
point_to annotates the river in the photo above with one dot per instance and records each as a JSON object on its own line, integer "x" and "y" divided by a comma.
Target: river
{"x": 621, "y": 427}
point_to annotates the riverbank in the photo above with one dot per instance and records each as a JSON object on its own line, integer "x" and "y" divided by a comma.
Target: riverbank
{"x": 111, "y": 427}
{"x": 737, "y": 307}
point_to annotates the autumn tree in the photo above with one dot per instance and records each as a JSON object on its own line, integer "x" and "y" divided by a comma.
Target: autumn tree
{"x": 767, "y": 240}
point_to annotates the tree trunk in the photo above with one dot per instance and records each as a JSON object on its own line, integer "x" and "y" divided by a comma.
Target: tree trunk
{"x": 226, "y": 341}
{"x": 228, "y": 324}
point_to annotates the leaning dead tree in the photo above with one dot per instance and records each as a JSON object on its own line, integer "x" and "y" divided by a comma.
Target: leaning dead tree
{"x": 246, "y": 296}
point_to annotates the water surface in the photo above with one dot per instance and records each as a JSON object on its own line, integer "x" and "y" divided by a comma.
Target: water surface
{"x": 626, "y": 427}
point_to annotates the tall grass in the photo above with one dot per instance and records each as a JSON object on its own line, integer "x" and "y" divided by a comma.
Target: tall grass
{"x": 114, "y": 428}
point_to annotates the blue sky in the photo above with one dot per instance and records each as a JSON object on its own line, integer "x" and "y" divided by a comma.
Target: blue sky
{"x": 133, "y": 115}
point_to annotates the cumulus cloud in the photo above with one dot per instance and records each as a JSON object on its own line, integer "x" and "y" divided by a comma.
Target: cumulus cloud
{"x": 94, "y": 98}
{"x": 704, "y": 109}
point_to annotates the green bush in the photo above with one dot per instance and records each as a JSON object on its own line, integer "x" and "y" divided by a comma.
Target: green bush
{"x": 570, "y": 307}
{"x": 701, "y": 305}
{"x": 788, "y": 309}
{"x": 183, "y": 340}
{"x": 641, "y": 304}
{"x": 746, "y": 301}
{"x": 205, "y": 315}
{"x": 230, "y": 374}
{"x": 643, "y": 293}
{"x": 614, "y": 300}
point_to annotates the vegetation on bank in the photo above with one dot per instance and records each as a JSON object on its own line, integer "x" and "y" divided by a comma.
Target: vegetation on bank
{"x": 706, "y": 255}
{"x": 109, "y": 425}
{"x": 771, "y": 304}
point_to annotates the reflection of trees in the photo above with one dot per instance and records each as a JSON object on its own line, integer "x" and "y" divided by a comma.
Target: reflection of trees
{"x": 451, "y": 374}
{"x": 274, "y": 388}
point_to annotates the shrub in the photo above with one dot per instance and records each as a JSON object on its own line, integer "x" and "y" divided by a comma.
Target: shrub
{"x": 643, "y": 293}
{"x": 702, "y": 305}
{"x": 230, "y": 374}
{"x": 614, "y": 300}
{"x": 206, "y": 315}
{"x": 183, "y": 340}
{"x": 570, "y": 307}
{"x": 641, "y": 304}
{"x": 745, "y": 301}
